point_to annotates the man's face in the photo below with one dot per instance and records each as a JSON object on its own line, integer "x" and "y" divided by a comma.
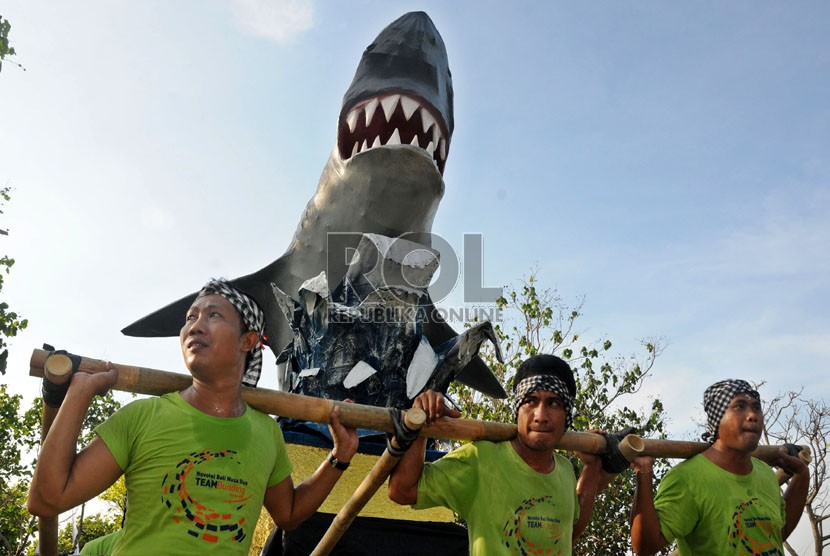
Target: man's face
{"x": 541, "y": 420}
{"x": 742, "y": 424}
{"x": 212, "y": 335}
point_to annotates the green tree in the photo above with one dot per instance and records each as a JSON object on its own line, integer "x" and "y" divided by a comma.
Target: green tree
{"x": 116, "y": 497}
{"x": 10, "y": 322}
{"x": 19, "y": 441}
{"x": 79, "y": 531}
{"x": 539, "y": 321}
{"x": 19, "y": 436}
{"x": 5, "y": 48}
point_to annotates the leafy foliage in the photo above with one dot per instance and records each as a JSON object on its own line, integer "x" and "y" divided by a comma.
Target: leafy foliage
{"x": 19, "y": 435}
{"x": 19, "y": 440}
{"x": 116, "y": 497}
{"x": 5, "y": 48}
{"x": 540, "y": 321}
{"x": 10, "y": 321}
{"x": 16, "y": 524}
{"x": 91, "y": 527}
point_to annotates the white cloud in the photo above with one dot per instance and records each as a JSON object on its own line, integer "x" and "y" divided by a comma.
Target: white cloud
{"x": 277, "y": 20}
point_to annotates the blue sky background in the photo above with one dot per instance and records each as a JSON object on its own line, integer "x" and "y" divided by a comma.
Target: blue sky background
{"x": 667, "y": 160}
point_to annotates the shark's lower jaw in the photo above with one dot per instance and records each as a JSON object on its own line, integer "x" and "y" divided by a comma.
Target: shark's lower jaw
{"x": 396, "y": 119}
{"x": 399, "y": 184}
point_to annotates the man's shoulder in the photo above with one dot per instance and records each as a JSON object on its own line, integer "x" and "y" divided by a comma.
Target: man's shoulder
{"x": 262, "y": 419}
{"x": 690, "y": 465}
{"x": 476, "y": 449}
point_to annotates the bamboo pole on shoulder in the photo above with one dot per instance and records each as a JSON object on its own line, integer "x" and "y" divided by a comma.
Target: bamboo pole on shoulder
{"x": 143, "y": 380}
{"x": 682, "y": 449}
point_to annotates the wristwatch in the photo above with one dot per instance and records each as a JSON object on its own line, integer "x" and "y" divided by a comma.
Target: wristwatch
{"x": 337, "y": 464}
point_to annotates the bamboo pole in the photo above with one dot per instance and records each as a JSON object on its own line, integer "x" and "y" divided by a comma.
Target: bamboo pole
{"x": 307, "y": 408}
{"x": 142, "y": 380}
{"x": 47, "y": 527}
{"x": 683, "y": 449}
{"x": 414, "y": 420}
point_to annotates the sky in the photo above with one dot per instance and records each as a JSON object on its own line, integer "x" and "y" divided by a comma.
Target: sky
{"x": 668, "y": 161}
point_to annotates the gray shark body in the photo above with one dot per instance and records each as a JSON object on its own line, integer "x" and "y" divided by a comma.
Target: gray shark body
{"x": 384, "y": 176}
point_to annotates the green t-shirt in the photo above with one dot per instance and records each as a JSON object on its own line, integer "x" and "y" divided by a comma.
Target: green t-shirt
{"x": 195, "y": 483}
{"x": 712, "y": 511}
{"x": 508, "y": 506}
{"x": 103, "y": 545}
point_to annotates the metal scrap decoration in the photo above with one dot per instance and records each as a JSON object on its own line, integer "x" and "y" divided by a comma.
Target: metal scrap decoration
{"x": 365, "y": 340}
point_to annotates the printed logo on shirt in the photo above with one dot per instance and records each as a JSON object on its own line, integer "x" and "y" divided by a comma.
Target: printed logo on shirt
{"x": 753, "y": 534}
{"x": 534, "y": 528}
{"x": 205, "y": 497}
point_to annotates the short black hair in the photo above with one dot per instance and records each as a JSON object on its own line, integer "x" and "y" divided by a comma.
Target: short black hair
{"x": 545, "y": 364}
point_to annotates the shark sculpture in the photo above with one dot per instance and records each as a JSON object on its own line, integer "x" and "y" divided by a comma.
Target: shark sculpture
{"x": 384, "y": 176}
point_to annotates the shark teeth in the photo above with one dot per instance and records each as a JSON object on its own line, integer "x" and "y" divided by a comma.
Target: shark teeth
{"x": 395, "y": 139}
{"x": 401, "y": 120}
{"x": 352, "y": 120}
{"x": 409, "y": 106}
{"x": 369, "y": 110}
{"x": 389, "y": 104}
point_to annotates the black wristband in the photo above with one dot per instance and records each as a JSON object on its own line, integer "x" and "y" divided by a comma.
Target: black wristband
{"x": 793, "y": 449}
{"x": 612, "y": 459}
{"x": 53, "y": 394}
{"x": 404, "y": 436}
{"x": 337, "y": 464}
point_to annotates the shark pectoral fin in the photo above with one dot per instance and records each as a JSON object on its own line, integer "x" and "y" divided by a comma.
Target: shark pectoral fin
{"x": 167, "y": 321}
{"x": 490, "y": 333}
{"x": 476, "y": 374}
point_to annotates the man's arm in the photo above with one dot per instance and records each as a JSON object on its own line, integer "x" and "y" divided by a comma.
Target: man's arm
{"x": 592, "y": 481}
{"x": 403, "y": 481}
{"x": 796, "y": 494}
{"x": 64, "y": 478}
{"x": 289, "y": 505}
{"x": 646, "y": 537}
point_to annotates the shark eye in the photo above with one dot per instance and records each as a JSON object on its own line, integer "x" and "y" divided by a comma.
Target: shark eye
{"x": 370, "y": 47}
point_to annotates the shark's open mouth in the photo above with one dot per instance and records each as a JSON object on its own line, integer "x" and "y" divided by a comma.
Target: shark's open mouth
{"x": 392, "y": 120}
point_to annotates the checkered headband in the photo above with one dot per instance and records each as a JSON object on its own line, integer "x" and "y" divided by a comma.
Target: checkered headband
{"x": 716, "y": 400}
{"x": 252, "y": 319}
{"x": 547, "y": 383}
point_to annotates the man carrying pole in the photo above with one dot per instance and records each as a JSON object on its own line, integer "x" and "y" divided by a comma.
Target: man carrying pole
{"x": 721, "y": 501}
{"x": 518, "y": 494}
{"x": 199, "y": 463}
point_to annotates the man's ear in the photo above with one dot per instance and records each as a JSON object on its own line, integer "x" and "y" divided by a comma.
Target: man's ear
{"x": 249, "y": 340}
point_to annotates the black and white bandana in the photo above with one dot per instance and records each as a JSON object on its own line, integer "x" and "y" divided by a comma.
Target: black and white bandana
{"x": 716, "y": 400}
{"x": 252, "y": 319}
{"x": 547, "y": 383}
